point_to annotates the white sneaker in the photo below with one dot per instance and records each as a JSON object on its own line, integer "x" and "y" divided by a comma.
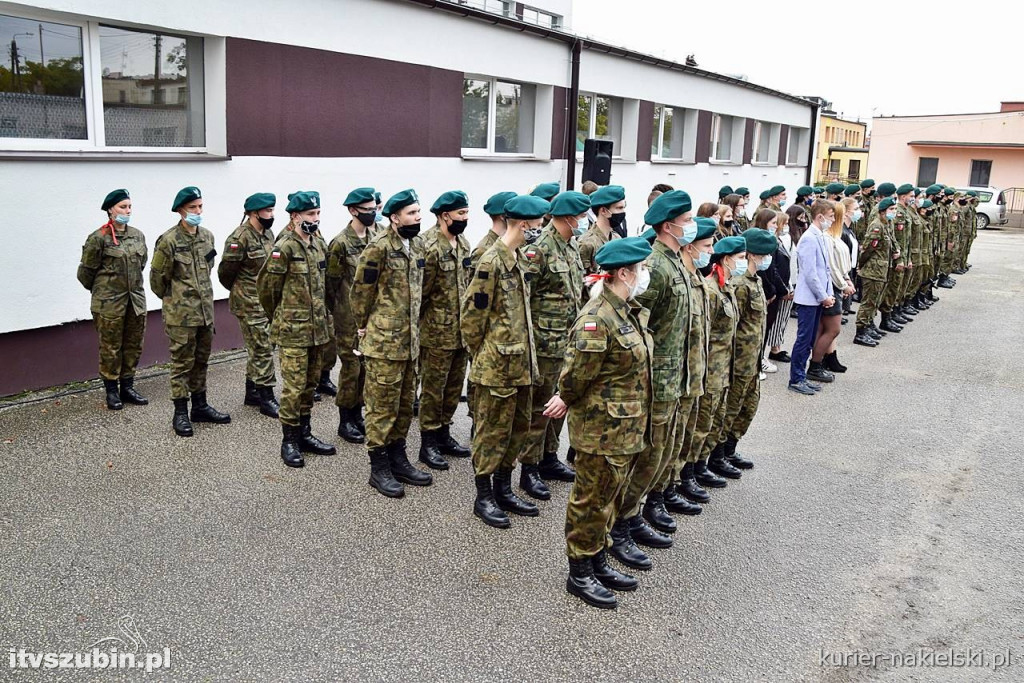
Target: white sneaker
{"x": 762, "y": 377}
{"x": 768, "y": 366}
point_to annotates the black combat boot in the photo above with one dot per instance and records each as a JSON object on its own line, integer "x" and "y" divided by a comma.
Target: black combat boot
{"x": 506, "y": 498}
{"x": 896, "y": 316}
{"x": 204, "y": 412}
{"x": 290, "y": 452}
{"x": 624, "y": 548}
{"x": 689, "y": 488}
{"x": 309, "y": 443}
{"x": 357, "y": 415}
{"x": 268, "y": 402}
{"x": 816, "y": 372}
{"x": 656, "y": 515}
{"x": 643, "y": 533}
{"x": 945, "y": 282}
{"x": 706, "y": 477}
{"x": 325, "y": 385}
{"x": 865, "y": 339}
{"x": 736, "y": 459}
{"x": 888, "y": 325}
{"x": 676, "y": 503}
{"x": 570, "y": 455}
{"x": 381, "y": 477}
{"x": 875, "y": 332}
{"x": 252, "y": 396}
{"x": 931, "y": 294}
{"x": 485, "y": 506}
{"x": 403, "y": 469}
{"x": 113, "y": 397}
{"x": 347, "y": 428}
{"x": 430, "y": 454}
{"x": 832, "y": 364}
{"x": 586, "y": 587}
{"x": 553, "y": 469}
{"x": 129, "y": 395}
{"x": 909, "y": 308}
{"x": 718, "y": 463}
{"x": 449, "y": 446}
{"x": 180, "y": 422}
{"x": 610, "y": 577}
{"x": 921, "y": 303}
{"x": 532, "y": 484}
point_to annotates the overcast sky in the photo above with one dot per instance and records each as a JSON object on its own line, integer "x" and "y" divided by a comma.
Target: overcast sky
{"x": 867, "y": 58}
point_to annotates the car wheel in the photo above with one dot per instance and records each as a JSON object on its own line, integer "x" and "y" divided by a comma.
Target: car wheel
{"x": 982, "y": 221}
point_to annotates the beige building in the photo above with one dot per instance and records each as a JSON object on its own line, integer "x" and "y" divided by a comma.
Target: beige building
{"x": 842, "y": 154}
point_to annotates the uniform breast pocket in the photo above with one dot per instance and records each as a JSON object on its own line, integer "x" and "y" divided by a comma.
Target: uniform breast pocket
{"x": 182, "y": 264}
{"x": 757, "y": 302}
{"x": 510, "y": 284}
{"x": 299, "y": 267}
{"x": 258, "y": 255}
{"x": 447, "y": 265}
{"x": 728, "y": 310}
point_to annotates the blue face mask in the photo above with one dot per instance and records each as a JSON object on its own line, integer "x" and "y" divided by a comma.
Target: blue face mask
{"x": 764, "y": 265}
{"x": 194, "y": 219}
{"x": 122, "y": 218}
{"x": 379, "y": 217}
{"x": 740, "y": 268}
{"x": 582, "y": 224}
{"x": 702, "y": 260}
{"x": 689, "y": 232}
{"x": 782, "y": 203}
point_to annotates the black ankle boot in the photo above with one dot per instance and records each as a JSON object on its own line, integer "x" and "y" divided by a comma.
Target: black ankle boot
{"x": 644, "y": 534}
{"x": 357, "y": 416}
{"x": 430, "y": 454}
{"x": 531, "y": 482}
{"x": 734, "y": 458}
{"x": 290, "y": 453}
{"x": 888, "y": 325}
{"x": 347, "y": 428}
{"x": 309, "y": 443}
{"x": 706, "y": 477}
{"x": 864, "y": 338}
{"x": 204, "y": 412}
{"x": 129, "y": 395}
{"x": 402, "y": 469}
{"x": 449, "y": 446}
{"x": 832, "y": 363}
{"x": 689, "y": 489}
{"x": 678, "y": 504}
{"x": 656, "y": 515}
{"x": 586, "y": 587}
{"x": 570, "y": 455}
{"x": 817, "y": 373}
{"x": 113, "y": 397}
{"x": 625, "y": 550}
{"x": 720, "y": 466}
{"x": 381, "y": 477}
{"x": 180, "y": 422}
{"x": 506, "y": 498}
{"x": 485, "y": 507}
{"x": 325, "y": 385}
{"x": 553, "y": 469}
{"x": 252, "y": 397}
{"x": 610, "y": 577}
{"x": 268, "y": 403}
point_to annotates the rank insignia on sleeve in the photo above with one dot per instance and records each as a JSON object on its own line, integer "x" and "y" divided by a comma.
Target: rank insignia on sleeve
{"x": 590, "y": 327}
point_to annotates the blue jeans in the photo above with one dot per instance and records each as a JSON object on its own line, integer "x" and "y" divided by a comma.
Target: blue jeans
{"x": 807, "y": 319}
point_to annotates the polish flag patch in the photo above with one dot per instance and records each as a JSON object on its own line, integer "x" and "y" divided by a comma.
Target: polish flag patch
{"x": 275, "y": 254}
{"x": 531, "y": 254}
{"x": 233, "y": 245}
{"x": 590, "y": 327}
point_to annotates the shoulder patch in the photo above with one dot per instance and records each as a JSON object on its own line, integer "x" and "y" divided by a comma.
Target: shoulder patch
{"x": 531, "y": 253}
{"x": 481, "y": 300}
{"x": 275, "y": 254}
{"x": 589, "y": 327}
{"x": 483, "y": 274}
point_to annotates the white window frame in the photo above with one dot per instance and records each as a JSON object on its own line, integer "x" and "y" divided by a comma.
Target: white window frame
{"x": 492, "y": 93}
{"x": 797, "y": 135}
{"x": 592, "y": 125}
{"x": 735, "y": 140}
{"x": 773, "y": 131}
{"x": 688, "y": 118}
{"x": 93, "y": 88}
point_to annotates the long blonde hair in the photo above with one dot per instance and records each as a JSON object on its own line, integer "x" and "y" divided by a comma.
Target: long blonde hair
{"x": 835, "y": 231}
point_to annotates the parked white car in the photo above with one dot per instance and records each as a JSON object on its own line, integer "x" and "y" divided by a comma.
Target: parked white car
{"x": 991, "y": 206}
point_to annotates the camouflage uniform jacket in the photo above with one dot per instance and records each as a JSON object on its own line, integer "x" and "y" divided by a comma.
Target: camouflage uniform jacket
{"x": 496, "y": 321}
{"x": 752, "y": 316}
{"x": 592, "y": 240}
{"x": 606, "y": 377}
{"x": 902, "y": 226}
{"x": 180, "y": 275}
{"x": 114, "y": 273}
{"x": 556, "y": 289}
{"x": 721, "y": 332}
{"x": 480, "y": 249}
{"x": 916, "y": 237}
{"x": 668, "y": 300}
{"x": 291, "y": 291}
{"x": 386, "y": 297}
{"x": 695, "y": 367}
{"x": 445, "y": 279}
{"x": 245, "y": 252}
{"x": 875, "y": 251}
{"x": 343, "y": 255}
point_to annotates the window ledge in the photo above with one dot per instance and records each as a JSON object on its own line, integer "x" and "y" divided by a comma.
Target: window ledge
{"x": 502, "y": 157}
{"x": 674, "y": 162}
{"x": 796, "y": 165}
{"x": 763, "y": 164}
{"x": 721, "y": 162}
{"x": 15, "y": 155}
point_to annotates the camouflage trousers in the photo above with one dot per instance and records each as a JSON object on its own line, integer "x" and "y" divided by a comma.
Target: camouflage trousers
{"x": 190, "y": 356}
{"x": 651, "y": 462}
{"x": 120, "y": 344}
{"x": 502, "y": 418}
{"x": 966, "y": 242}
{"x": 907, "y": 283}
{"x": 710, "y": 417}
{"x": 544, "y": 432}
{"x": 870, "y": 300}
{"x": 686, "y": 422}
{"x": 741, "y": 405}
{"x": 300, "y": 372}
{"x": 260, "y": 364}
{"x": 330, "y": 354}
{"x": 389, "y": 393}
{"x": 351, "y": 378}
{"x": 443, "y": 375}
{"x": 893, "y": 289}
{"x": 594, "y": 502}
{"x": 949, "y": 256}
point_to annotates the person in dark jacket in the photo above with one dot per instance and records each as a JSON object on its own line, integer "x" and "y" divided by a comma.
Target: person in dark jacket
{"x": 775, "y": 284}
{"x": 781, "y": 265}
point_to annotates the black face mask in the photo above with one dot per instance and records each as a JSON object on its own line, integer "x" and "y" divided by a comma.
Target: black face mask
{"x": 267, "y": 223}
{"x": 310, "y": 227}
{"x": 618, "y": 223}
{"x": 963, "y": 202}
{"x": 367, "y": 219}
{"x": 458, "y": 227}
{"x": 407, "y": 232}
{"x": 728, "y": 224}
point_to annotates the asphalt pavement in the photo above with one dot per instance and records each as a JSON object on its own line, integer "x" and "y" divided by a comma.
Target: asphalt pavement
{"x": 883, "y": 520}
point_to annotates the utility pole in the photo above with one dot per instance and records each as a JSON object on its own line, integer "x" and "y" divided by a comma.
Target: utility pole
{"x": 42, "y": 57}
{"x": 156, "y": 71}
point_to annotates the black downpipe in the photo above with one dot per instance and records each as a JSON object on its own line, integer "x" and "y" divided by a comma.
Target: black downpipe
{"x": 811, "y": 146}
{"x": 573, "y": 112}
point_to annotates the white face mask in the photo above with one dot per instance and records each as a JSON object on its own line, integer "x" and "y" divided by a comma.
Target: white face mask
{"x": 826, "y": 224}
{"x": 643, "y": 280}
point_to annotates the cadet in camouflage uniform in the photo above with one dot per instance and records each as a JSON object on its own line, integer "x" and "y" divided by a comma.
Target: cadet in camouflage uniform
{"x": 385, "y": 301}
{"x": 180, "y": 275}
{"x": 498, "y": 330}
{"x": 909, "y": 231}
{"x": 606, "y": 386}
{"x": 740, "y": 215}
{"x": 752, "y": 311}
{"x": 968, "y": 229}
{"x": 245, "y": 251}
{"x": 777, "y": 198}
{"x": 111, "y": 269}
{"x": 443, "y": 354}
{"x": 343, "y": 255}
{"x": 923, "y": 208}
{"x": 555, "y": 293}
{"x": 291, "y": 291}
{"x": 874, "y": 266}
{"x": 867, "y": 202}
{"x": 891, "y": 320}
{"x": 952, "y": 211}
{"x": 609, "y": 205}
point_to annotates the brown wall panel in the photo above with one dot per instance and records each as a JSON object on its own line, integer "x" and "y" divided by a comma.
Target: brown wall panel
{"x": 559, "y": 113}
{"x": 703, "y": 151}
{"x": 748, "y": 142}
{"x": 783, "y": 143}
{"x": 644, "y": 131}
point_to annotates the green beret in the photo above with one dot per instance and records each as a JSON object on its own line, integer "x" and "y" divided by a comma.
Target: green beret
{"x": 607, "y": 195}
{"x": 886, "y": 203}
{"x": 866, "y": 183}
{"x": 185, "y": 195}
{"x": 834, "y": 188}
{"x": 667, "y": 206}
{"x": 622, "y": 252}
{"x": 927, "y": 204}
{"x": 303, "y": 201}
{"x": 649, "y": 235}
{"x": 452, "y": 200}
{"x": 949, "y": 191}
{"x": 886, "y": 189}
{"x": 569, "y": 203}
{"x": 778, "y": 189}
{"x": 495, "y": 206}
{"x": 760, "y": 241}
{"x": 546, "y": 191}
{"x": 705, "y": 228}
{"x": 724, "y": 190}
{"x": 851, "y": 189}
{"x": 360, "y": 195}
{"x": 376, "y": 197}
{"x": 730, "y": 245}
{"x": 818, "y": 189}
{"x": 742, "y": 191}
{"x": 400, "y": 201}
{"x": 972, "y": 193}
{"x": 905, "y": 188}
{"x": 805, "y": 191}
{"x": 260, "y": 200}
{"x": 115, "y": 197}
{"x": 764, "y": 195}
{"x": 526, "y": 207}
{"x": 933, "y": 189}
